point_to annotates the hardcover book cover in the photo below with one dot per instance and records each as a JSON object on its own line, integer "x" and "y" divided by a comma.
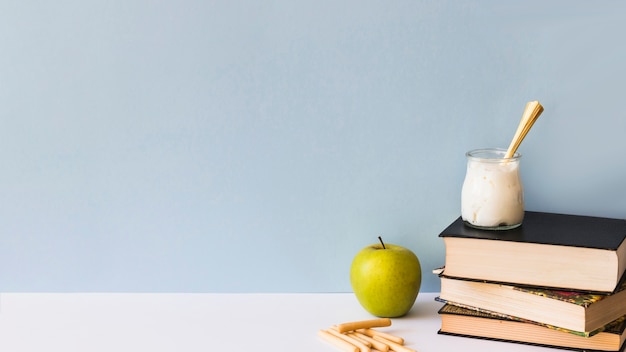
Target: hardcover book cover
{"x": 552, "y": 229}
{"x": 582, "y": 299}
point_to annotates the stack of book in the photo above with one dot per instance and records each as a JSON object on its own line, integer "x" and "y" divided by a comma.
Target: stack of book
{"x": 557, "y": 280}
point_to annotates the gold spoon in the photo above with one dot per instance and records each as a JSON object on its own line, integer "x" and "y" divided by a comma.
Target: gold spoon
{"x": 531, "y": 113}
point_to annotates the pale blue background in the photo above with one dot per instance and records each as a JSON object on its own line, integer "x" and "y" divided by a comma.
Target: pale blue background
{"x": 256, "y": 146}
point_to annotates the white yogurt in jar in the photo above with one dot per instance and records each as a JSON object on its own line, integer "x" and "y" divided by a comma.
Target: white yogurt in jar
{"x": 492, "y": 195}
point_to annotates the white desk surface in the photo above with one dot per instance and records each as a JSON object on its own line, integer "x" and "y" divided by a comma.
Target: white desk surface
{"x": 207, "y": 322}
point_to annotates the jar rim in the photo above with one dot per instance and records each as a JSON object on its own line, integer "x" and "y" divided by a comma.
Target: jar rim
{"x": 491, "y": 154}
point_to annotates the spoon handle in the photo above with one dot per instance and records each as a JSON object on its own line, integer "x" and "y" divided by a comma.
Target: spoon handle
{"x": 531, "y": 113}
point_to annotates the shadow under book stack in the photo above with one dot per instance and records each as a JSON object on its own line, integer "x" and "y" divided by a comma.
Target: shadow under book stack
{"x": 556, "y": 281}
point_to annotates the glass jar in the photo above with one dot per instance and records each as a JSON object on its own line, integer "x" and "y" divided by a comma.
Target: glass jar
{"x": 492, "y": 197}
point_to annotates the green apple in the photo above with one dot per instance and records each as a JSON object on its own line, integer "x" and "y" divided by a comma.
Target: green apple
{"x": 386, "y": 279}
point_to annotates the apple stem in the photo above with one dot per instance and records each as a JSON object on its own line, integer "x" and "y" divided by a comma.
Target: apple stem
{"x": 381, "y": 242}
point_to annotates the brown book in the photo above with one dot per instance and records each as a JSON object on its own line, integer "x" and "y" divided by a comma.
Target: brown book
{"x": 581, "y": 312}
{"x": 563, "y": 251}
{"x": 477, "y": 324}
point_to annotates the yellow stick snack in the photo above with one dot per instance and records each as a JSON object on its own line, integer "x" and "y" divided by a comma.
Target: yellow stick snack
{"x": 378, "y": 345}
{"x": 364, "y": 324}
{"x": 373, "y": 333}
{"x": 393, "y": 345}
{"x": 354, "y": 335}
{"x": 360, "y": 345}
{"x": 337, "y": 342}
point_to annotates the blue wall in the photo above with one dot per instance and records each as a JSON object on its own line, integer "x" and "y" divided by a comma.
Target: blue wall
{"x": 256, "y": 146}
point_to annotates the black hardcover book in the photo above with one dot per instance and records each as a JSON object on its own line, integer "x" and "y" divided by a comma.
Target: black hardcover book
{"x": 550, "y": 250}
